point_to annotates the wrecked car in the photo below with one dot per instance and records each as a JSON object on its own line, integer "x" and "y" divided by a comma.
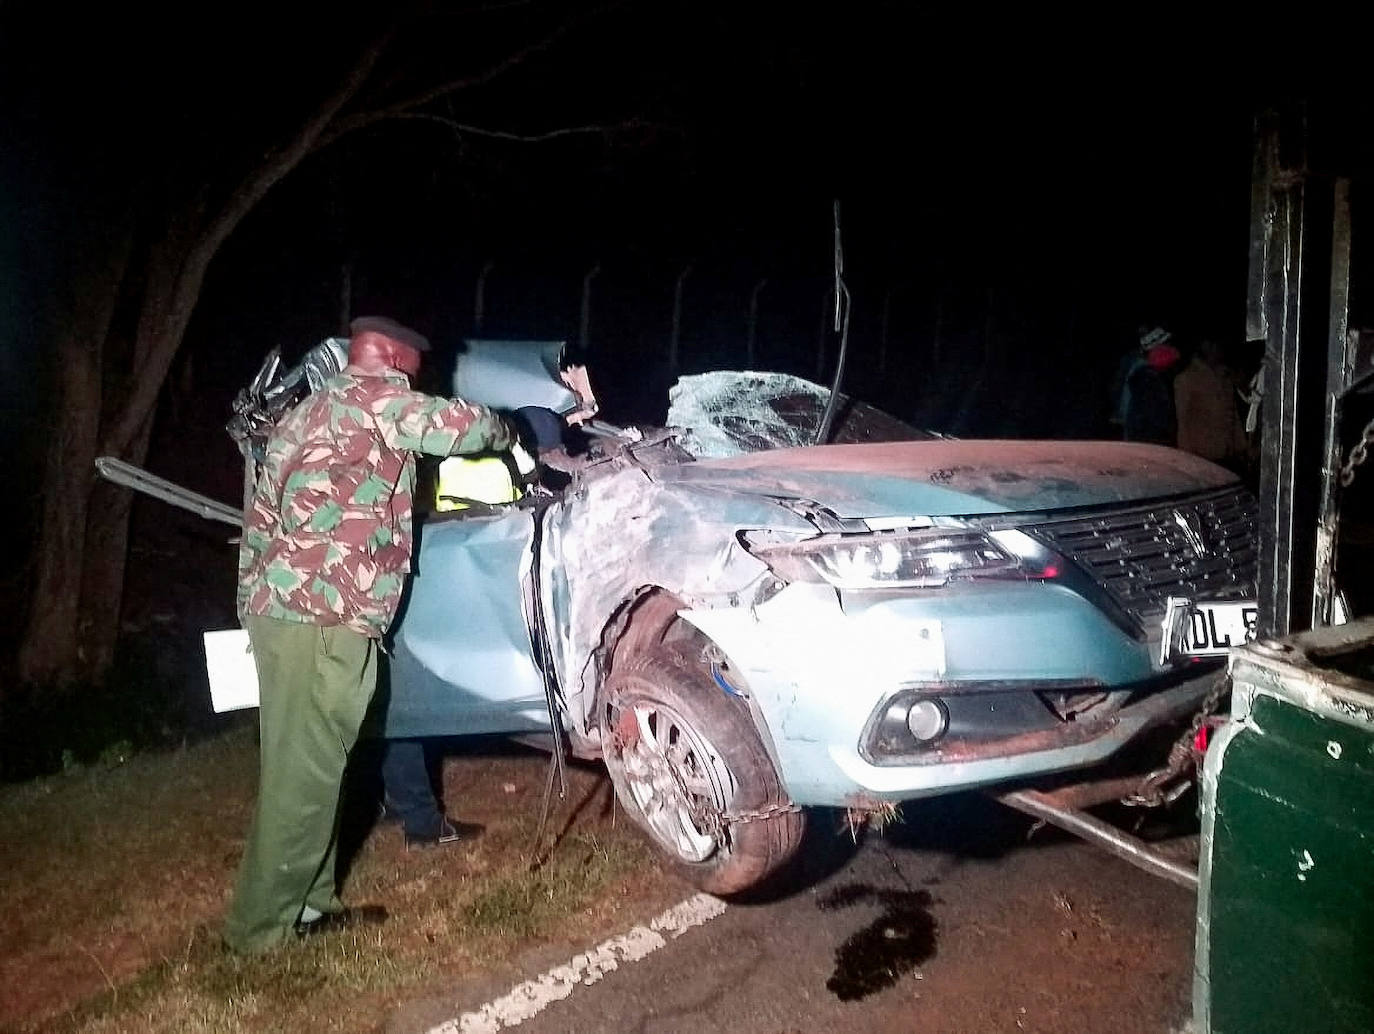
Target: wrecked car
{"x": 743, "y": 625}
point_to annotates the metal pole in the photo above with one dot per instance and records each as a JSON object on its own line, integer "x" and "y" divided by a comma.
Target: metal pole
{"x": 479, "y": 301}
{"x": 1123, "y": 845}
{"x": 827, "y": 315}
{"x": 1278, "y": 459}
{"x": 1340, "y": 363}
{"x": 675, "y": 340}
{"x": 751, "y": 344}
{"x": 140, "y": 480}
{"x": 585, "y": 322}
{"x": 883, "y": 330}
{"x": 1299, "y": 296}
{"x": 936, "y": 338}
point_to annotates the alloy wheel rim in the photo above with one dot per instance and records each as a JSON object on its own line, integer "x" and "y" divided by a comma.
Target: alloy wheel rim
{"x": 678, "y": 780}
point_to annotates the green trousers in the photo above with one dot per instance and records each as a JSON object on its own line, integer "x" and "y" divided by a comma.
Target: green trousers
{"x": 315, "y": 683}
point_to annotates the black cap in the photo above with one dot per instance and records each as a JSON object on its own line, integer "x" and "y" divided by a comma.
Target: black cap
{"x": 390, "y": 328}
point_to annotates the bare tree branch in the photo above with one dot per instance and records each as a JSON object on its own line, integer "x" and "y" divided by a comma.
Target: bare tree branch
{"x": 524, "y": 138}
{"x": 163, "y": 319}
{"x": 362, "y": 119}
{"x": 307, "y": 139}
{"x": 162, "y": 323}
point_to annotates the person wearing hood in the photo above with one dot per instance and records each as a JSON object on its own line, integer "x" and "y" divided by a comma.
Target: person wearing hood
{"x": 1146, "y": 407}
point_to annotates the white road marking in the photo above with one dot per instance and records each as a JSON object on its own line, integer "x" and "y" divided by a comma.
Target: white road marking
{"x": 530, "y": 998}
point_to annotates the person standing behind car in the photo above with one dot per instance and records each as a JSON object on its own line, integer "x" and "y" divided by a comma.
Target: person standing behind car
{"x": 1209, "y": 424}
{"x": 1147, "y": 401}
{"x": 325, "y": 550}
{"x": 489, "y": 480}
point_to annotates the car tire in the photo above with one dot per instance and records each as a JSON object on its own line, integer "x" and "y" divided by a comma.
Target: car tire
{"x": 684, "y": 756}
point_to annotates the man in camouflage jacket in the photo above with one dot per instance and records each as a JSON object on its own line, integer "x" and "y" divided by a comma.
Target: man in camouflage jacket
{"x": 325, "y": 550}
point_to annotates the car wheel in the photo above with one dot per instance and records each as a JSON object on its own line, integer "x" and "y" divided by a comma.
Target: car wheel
{"x": 689, "y": 768}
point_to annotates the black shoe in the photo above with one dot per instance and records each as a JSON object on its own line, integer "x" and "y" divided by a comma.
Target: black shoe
{"x": 348, "y": 919}
{"x": 445, "y": 833}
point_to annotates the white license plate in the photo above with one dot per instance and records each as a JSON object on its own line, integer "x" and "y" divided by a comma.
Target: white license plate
{"x": 1201, "y": 629}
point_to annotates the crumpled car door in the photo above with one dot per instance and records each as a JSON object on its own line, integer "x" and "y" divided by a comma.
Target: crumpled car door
{"x": 461, "y": 661}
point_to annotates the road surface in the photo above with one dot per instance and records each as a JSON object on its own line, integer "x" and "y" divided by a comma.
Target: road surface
{"x": 952, "y": 922}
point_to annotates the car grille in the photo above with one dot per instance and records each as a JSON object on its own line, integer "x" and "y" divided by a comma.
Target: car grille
{"x": 1204, "y": 549}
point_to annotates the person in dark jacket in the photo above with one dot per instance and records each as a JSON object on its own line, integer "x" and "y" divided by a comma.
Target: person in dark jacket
{"x": 407, "y": 786}
{"x": 1147, "y": 401}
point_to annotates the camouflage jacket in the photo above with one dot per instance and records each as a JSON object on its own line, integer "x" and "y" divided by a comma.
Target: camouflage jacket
{"x": 327, "y": 539}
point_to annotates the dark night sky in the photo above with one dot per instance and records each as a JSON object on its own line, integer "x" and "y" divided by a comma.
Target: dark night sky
{"x": 1069, "y": 173}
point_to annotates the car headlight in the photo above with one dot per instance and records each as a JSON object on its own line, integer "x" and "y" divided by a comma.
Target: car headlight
{"x": 925, "y": 557}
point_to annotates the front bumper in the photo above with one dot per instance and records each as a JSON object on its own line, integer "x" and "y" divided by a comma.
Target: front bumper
{"x": 819, "y": 667}
{"x": 1075, "y": 745}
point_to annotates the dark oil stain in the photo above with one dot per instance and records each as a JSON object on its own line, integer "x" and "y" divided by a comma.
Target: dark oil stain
{"x": 942, "y": 476}
{"x": 845, "y": 896}
{"x": 1005, "y": 477}
{"x": 881, "y": 953}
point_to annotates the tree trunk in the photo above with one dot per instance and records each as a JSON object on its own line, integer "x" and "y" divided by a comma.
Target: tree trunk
{"x": 82, "y": 549}
{"x": 83, "y": 544}
{"x": 52, "y": 650}
{"x": 107, "y": 554}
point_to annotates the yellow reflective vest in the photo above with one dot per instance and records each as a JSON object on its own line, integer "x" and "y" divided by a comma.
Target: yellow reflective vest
{"x": 464, "y": 480}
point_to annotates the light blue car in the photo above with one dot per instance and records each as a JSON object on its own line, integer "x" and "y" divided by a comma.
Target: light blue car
{"x": 742, "y": 625}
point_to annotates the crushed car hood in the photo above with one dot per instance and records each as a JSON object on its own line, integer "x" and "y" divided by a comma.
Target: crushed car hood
{"x": 951, "y": 477}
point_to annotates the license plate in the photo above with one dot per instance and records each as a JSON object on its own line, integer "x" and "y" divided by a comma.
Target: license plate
{"x": 1202, "y": 629}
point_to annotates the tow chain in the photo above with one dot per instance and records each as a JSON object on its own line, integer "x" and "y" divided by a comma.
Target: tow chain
{"x": 708, "y": 818}
{"x": 1358, "y": 455}
{"x": 1154, "y": 790}
{"x": 768, "y": 811}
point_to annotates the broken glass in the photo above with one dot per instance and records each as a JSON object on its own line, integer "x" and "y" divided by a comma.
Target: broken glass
{"x": 728, "y": 413}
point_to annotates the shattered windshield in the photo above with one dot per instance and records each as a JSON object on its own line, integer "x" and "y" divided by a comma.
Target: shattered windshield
{"x": 727, "y": 413}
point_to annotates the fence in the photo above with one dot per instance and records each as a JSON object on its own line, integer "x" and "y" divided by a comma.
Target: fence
{"x": 972, "y": 360}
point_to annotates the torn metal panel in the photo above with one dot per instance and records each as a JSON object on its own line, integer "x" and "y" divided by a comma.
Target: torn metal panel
{"x": 512, "y": 374}
{"x": 622, "y": 529}
{"x": 462, "y": 660}
{"x": 275, "y": 391}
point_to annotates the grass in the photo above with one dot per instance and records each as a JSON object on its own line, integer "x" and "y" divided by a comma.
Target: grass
{"x": 114, "y": 879}
{"x": 524, "y": 903}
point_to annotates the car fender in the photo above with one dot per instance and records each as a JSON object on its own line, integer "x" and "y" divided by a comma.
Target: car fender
{"x": 615, "y": 535}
